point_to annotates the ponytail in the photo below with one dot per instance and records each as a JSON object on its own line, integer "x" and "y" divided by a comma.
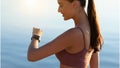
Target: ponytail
{"x": 95, "y": 38}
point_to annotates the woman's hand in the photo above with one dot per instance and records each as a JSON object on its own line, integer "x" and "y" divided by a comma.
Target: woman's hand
{"x": 37, "y": 31}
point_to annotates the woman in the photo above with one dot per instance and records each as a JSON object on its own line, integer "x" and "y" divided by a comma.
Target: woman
{"x": 79, "y": 46}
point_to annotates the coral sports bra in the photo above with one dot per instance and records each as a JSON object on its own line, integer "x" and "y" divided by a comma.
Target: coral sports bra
{"x": 77, "y": 60}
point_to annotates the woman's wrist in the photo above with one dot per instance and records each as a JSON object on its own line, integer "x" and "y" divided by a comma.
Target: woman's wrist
{"x": 35, "y": 37}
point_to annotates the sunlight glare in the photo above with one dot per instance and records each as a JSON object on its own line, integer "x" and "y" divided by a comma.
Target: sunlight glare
{"x": 34, "y": 7}
{"x": 31, "y": 3}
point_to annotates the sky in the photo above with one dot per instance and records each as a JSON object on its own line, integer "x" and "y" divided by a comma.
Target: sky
{"x": 25, "y": 14}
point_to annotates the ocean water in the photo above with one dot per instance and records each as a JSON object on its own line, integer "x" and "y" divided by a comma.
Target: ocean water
{"x": 15, "y": 42}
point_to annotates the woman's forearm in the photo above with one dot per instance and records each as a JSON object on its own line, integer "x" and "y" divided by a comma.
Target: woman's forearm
{"x": 32, "y": 49}
{"x": 94, "y": 62}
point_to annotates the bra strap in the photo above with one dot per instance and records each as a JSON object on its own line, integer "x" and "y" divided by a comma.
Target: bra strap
{"x": 83, "y": 36}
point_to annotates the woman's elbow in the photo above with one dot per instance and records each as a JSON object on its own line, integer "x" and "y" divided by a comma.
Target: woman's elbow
{"x": 31, "y": 58}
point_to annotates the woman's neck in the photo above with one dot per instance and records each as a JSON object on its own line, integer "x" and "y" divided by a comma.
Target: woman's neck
{"x": 80, "y": 19}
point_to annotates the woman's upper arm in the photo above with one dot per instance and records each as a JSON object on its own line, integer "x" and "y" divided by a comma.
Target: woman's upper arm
{"x": 61, "y": 42}
{"x": 94, "y": 62}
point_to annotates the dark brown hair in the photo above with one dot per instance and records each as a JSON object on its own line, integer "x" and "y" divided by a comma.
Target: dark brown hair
{"x": 96, "y": 39}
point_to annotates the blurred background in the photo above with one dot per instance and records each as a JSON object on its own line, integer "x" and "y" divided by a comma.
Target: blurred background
{"x": 18, "y": 17}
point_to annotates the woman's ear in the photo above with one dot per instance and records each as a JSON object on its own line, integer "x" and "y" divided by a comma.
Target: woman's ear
{"x": 75, "y": 3}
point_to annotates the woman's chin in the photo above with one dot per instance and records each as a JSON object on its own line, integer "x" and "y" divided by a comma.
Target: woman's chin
{"x": 66, "y": 18}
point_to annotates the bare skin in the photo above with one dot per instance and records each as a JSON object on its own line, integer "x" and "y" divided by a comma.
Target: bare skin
{"x": 69, "y": 11}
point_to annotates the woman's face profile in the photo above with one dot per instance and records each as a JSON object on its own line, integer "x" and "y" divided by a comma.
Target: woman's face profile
{"x": 65, "y": 8}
